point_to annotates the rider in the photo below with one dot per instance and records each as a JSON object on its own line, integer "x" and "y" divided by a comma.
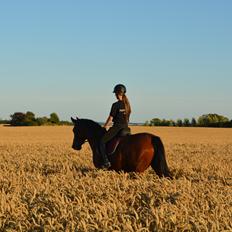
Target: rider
{"x": 119, "y": 114}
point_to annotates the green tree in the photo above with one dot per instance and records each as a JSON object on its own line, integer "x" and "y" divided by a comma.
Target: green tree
{"x": 212, "y": 120}
{"x": 179, "y": 122}
{"x": 18, "y": 119}
{"x": 30, "y": 119}
{"x": 156, "y": 122}
{"x": 54, "y": 118}
{"x": 193, "y": 122}
{"x": 30, "y": 115}
{"x": 42, "y": 121}
{"x": 165, "y": 122}
{"x": 186, "y": 122}
{"x": 172, "y": 123}
{"x": 206, "y": 120}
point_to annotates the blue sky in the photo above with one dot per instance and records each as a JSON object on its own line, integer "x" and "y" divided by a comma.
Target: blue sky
{"x": 175, "y": 57}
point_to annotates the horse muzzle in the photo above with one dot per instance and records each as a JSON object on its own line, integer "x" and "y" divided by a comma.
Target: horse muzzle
{"x": 78, "y": 148}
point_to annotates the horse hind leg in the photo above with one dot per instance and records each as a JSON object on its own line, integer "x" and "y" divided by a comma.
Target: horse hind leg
{"x": 159, "y": 163}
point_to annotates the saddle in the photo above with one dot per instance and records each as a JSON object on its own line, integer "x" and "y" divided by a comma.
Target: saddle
{"x": 112, "y": 145}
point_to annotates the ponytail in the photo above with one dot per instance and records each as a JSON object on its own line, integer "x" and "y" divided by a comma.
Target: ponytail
{"x": 127, "y": 106}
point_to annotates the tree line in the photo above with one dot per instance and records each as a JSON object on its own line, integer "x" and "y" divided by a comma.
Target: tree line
{"x": 29, "y": 119}
{"x": 206, "y": 120}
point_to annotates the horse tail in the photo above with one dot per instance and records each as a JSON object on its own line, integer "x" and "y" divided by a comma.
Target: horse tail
{"x": 159, "y": 163}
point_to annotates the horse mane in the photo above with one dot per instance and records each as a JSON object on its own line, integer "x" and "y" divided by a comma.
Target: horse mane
{"x": 94, "y": 126}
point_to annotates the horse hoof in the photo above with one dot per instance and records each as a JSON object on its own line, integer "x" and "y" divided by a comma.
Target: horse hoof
{"x": 106, "y": 165}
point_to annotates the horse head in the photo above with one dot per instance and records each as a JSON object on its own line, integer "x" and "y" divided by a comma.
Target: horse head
{"x": 85, "y": 129}
{"x": 79, "y": 134}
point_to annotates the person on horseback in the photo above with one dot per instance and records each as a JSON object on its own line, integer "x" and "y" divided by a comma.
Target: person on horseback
{"x": 119, "y": 115}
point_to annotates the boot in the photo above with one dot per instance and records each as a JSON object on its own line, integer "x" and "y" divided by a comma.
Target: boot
{"x": 106, "y": 164}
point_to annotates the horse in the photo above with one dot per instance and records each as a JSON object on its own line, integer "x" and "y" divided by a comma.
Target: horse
{"x": 135, "y": 153}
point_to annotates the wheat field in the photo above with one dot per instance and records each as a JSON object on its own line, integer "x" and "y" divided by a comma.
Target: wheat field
{"x": 47, "y": 186}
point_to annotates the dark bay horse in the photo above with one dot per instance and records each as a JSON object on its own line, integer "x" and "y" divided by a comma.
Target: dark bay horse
{"x": 135, "y": 153}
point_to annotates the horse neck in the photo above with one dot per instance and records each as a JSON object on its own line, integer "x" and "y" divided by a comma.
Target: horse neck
{"x": 94, "y": 139}
{"x": 94, "y": 134}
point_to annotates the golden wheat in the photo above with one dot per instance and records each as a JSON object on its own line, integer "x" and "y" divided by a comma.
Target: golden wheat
{"x": 47, "y": 186}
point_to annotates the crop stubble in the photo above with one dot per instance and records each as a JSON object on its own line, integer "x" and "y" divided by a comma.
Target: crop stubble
{"x": 47, "y": 186}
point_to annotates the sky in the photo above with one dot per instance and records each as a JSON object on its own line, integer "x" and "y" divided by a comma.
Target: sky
{"x": 175, "y": 57}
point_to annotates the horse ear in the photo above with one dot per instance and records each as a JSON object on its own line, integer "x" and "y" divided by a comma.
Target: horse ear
{"x": 73, "y": 120}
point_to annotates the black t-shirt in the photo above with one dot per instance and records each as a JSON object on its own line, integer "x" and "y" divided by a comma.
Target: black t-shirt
{"x": 118, "y": 112}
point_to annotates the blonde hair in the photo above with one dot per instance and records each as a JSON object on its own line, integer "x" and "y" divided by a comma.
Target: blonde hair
{"x": 127, "y": 106}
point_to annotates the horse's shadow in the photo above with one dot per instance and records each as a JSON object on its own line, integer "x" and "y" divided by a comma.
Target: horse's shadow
{"x": 83, "y": 170}
{"x": 94, "y": 172}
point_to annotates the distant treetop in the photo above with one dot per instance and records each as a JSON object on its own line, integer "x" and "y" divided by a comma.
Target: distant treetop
{"x": 29, "y": 119}
{"x": 206, "y": 120}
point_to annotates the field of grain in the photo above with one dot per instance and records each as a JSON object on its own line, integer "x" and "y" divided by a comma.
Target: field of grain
{"x": 47, "y": 186}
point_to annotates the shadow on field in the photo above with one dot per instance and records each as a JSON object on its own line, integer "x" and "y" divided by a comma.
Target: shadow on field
{"x": 83, "y": 170}
{"x": 178, "y": 173}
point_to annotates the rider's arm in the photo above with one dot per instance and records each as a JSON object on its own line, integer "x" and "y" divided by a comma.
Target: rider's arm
{"x": 108, "y": 121}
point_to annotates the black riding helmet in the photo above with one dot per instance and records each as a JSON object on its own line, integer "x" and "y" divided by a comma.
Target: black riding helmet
{"x": 120, "y": 89}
